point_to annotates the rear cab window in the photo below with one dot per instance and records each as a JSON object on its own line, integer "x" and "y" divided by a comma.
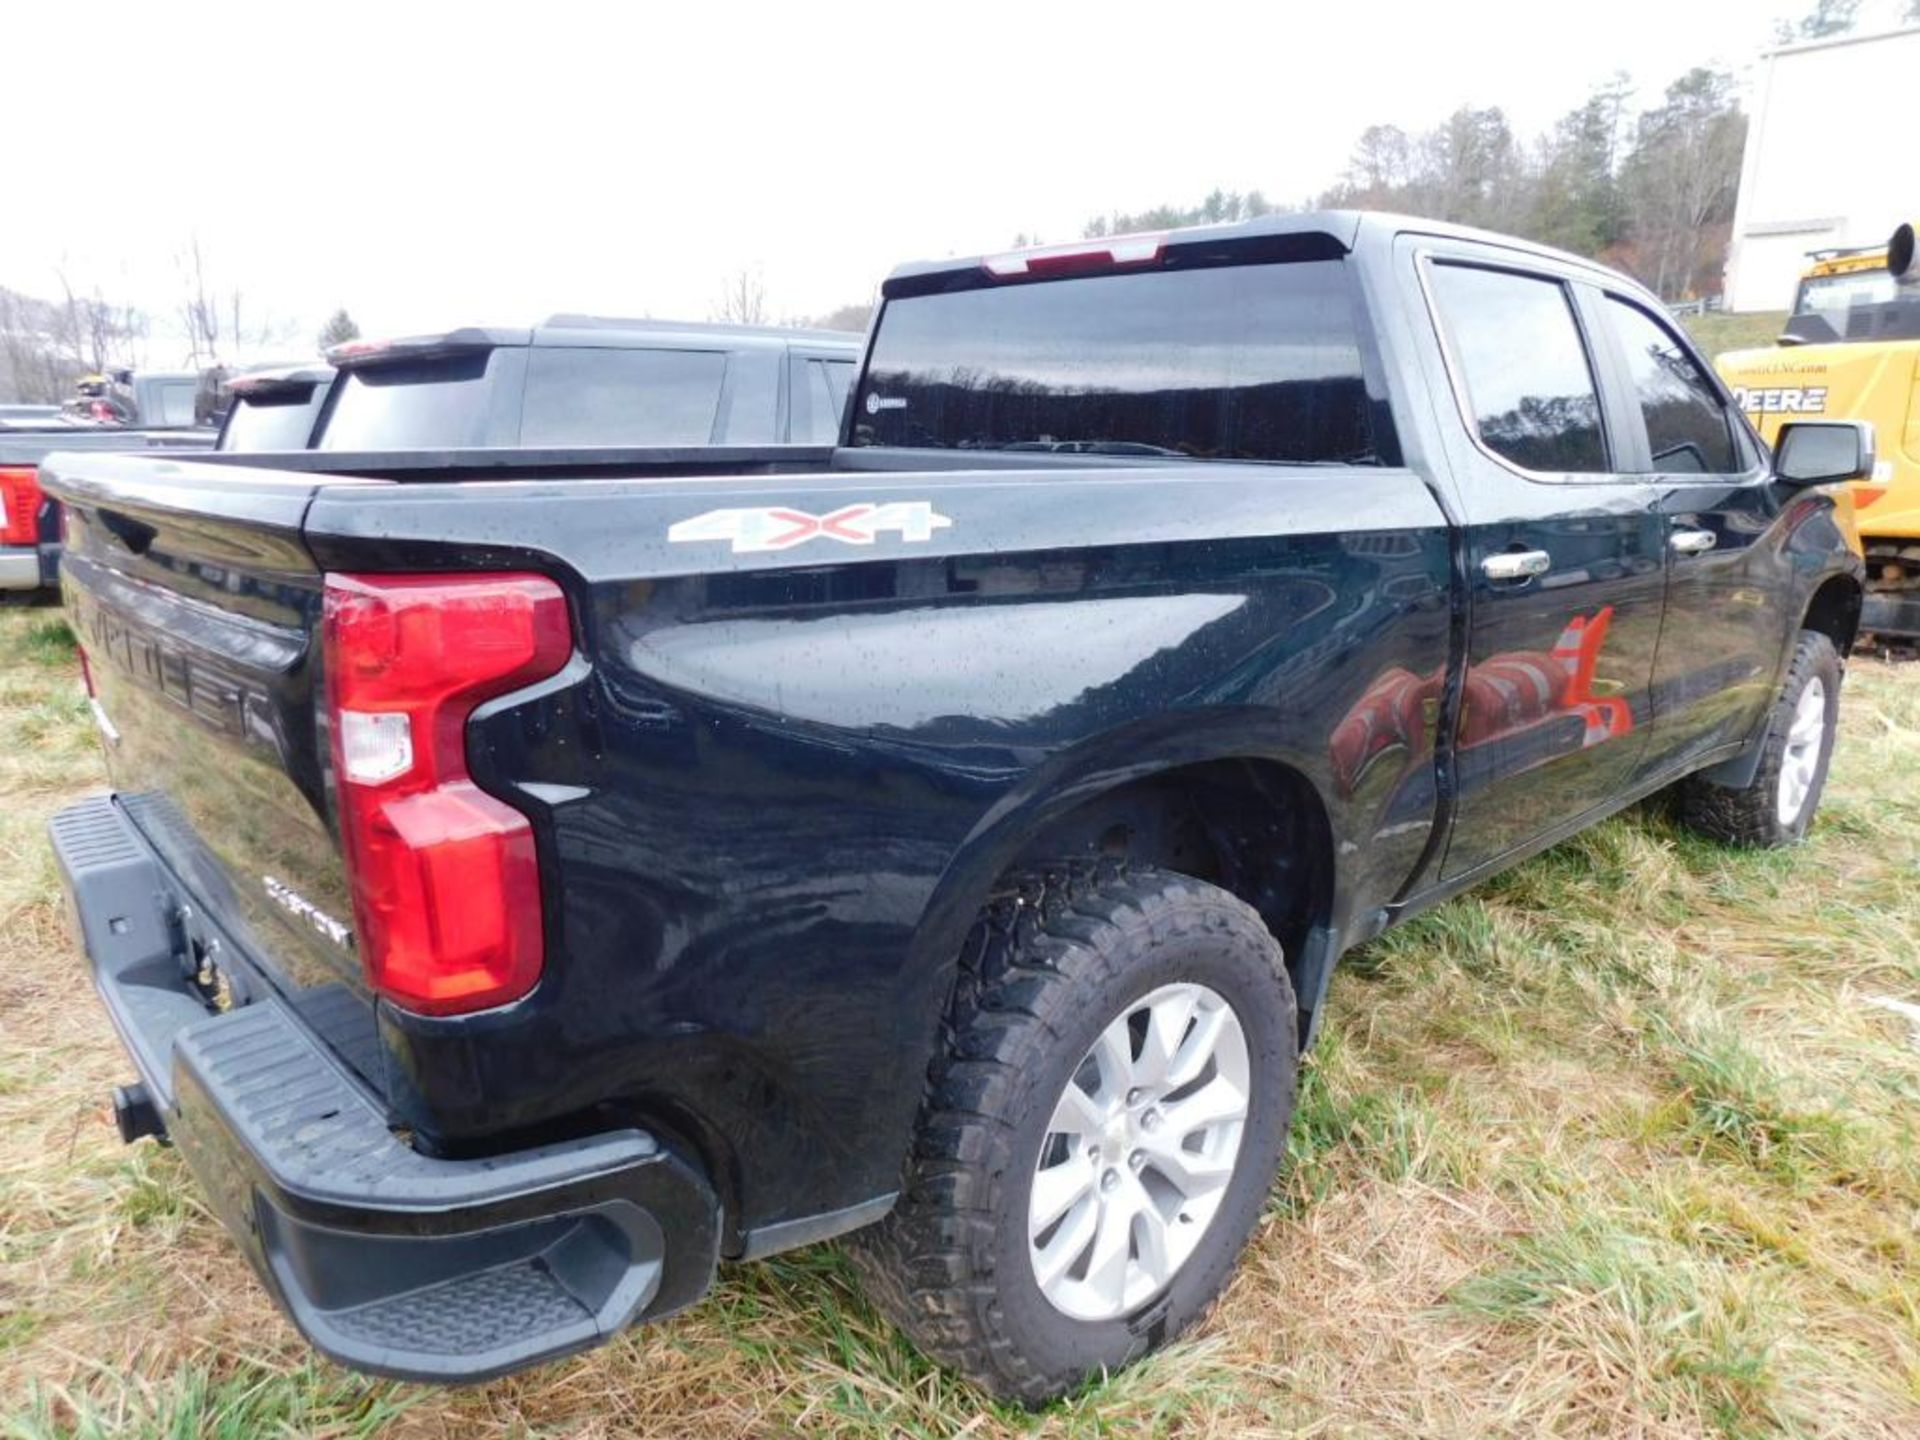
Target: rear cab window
{"x": 279, "y": 420}
{"x": 1237, "y": 361}
{"x": 442, "y": 402}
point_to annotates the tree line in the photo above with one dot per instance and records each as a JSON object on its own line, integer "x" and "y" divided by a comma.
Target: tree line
{"x": 46, "y": 345}
{"x": 1652, "y": 193}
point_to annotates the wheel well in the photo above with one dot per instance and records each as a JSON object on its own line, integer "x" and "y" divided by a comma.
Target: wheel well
{"x": 1834, "y": 611}
{"x": 1256, "y": 828}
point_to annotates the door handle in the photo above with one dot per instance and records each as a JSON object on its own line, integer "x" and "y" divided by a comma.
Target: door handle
{"x": 1516, "y": 565}
{"x": 1692, "y": 542}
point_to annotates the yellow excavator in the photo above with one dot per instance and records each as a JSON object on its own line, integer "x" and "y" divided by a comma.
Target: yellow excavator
{"x": 1851, "y": 351}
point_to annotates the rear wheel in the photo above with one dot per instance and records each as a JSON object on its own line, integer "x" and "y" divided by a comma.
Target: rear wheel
{"x": 1110, "y": 1103}
{"x": 1776, "y": 807}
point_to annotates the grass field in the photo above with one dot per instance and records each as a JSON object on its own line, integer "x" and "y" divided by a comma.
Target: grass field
{"x": 1618, "y": 1145}
{"x": 1720, "y": 332}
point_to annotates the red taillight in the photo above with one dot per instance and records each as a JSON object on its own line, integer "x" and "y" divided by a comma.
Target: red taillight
{"x": 19, "y": 505}
{"x": 1092, "y": 255}
{"x": 446, "y": 888}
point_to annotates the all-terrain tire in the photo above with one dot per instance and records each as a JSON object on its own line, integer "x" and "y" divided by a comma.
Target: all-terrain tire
{"x": 1045, "y": 970}
{"x": 1751, "y": 815}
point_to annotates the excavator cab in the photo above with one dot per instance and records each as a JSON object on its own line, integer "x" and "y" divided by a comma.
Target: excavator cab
{"x": 1860, "y": 296}
{"x": 1851, "y": 351}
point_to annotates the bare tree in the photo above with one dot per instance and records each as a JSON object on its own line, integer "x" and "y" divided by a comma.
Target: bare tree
{"x": 200, "y": 308}
{"x": 217, "y": 319}
{"x": 1468, "y": 168}
{"x": 1680, "y": 180}
{"x": 45, "y": 345}
{"x": 845, "y": 317}
{"x": 743, "y": 299}
{"x": 32, "y": 367}
{"x": 94, "y": 331}
{"x": 1381, "y": 164}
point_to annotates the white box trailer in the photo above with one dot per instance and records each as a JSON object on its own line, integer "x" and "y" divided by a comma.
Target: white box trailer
{"x": 1829, "y": 161}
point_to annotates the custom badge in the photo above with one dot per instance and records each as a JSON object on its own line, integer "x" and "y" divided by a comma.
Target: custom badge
{"x": 777, "y": 527}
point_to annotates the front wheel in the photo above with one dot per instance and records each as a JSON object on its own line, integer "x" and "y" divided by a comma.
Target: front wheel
{"x": 1109, "y": 1107}
{"x": 1776, "y": 807}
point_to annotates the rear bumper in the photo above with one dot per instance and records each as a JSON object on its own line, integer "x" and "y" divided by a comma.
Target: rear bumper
{"x": 388, "y": 1260}
{"x": 28, "y": 567}
{"x": 1883, "y": 614}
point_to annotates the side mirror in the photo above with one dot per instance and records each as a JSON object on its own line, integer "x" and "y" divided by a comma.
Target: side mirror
{"x": 1823, "y": 452}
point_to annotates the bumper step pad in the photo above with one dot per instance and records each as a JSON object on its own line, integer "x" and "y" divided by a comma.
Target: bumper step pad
{"x": 471, "y": 1314}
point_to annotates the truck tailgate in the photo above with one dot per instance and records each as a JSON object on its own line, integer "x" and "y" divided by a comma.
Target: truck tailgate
{"x": 197, "y": 607}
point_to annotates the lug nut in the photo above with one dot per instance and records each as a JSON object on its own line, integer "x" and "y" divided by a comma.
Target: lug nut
{"x": 1109, "y": 1180}
{"x": 1134, "y": 1097}
{"x": 1150, "y": 1120}
{"x": 1137, "y": 1159}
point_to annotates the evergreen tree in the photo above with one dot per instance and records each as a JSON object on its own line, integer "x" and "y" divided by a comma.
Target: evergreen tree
{"x": 339, "y": 329}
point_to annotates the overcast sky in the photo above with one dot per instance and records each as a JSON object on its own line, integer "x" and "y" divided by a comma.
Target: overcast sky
{"x": 429, "y": 166}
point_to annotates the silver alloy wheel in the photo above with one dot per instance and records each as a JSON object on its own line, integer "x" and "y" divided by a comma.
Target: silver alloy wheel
{"x": 1802, "y": 758}
{"x": 1138, "y": 1153}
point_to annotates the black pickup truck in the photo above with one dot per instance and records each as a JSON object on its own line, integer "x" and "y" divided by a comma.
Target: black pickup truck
{"x": 573, "y": 380}
{"x": 579, "y": 380}
{"x": 532, "y": 876}
{"x": 274, "y": 407}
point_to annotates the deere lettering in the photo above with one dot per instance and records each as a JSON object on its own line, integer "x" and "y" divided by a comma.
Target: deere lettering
{"x": 1787, "y": 400}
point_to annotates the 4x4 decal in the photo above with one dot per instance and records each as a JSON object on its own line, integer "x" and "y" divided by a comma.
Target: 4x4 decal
{"x": 776, "y": 527}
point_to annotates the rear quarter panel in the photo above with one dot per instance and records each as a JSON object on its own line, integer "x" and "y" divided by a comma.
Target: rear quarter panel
{"x": 777, "y": 785}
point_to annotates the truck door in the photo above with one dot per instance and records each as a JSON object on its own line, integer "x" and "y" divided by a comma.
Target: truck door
{"x": 1720, "y": 648}
{"x": 1564, "y": 550}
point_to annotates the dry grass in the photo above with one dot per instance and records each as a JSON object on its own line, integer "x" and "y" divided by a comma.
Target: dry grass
{"x": 1718, "y": 333}
{"x": 1614, "y": 1146}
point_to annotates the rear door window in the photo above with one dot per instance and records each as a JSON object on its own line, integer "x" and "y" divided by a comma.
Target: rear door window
{"x": 605, "y": 396}
{"x": 1529, "y": 386}
{"x": 1689, "y": 431}
{"x": 821, "y": 400}
{"x": 434, "y": 404}
{"x": 282, "y": 421}
{"x": 1220, "y": 362}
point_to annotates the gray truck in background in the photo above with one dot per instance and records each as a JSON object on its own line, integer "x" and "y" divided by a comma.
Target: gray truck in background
{"x": 576, "y": 380}
{"x": 144, "y": 399}
{"x": 29, "y": 520}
